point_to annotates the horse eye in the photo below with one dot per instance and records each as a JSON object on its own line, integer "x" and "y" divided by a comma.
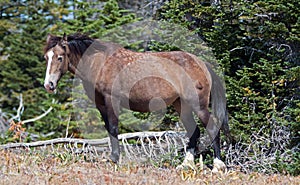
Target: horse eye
{"x": 59, "y": 59}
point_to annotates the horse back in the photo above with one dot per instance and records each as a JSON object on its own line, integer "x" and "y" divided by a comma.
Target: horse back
{"x": 141, "y": 77}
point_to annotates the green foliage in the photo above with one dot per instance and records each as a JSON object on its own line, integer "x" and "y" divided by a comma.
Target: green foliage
{"x": 288, "y": 166}
{"x": 22, "y": 64}
{"x": 168, "y": 159}
{"x": 257, "y": 46}
{"x": 24, "y": 27}
{"x": 94, "y": 18}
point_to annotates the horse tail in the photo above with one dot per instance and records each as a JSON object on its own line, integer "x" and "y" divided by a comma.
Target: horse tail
{"x": 218, "y": 102}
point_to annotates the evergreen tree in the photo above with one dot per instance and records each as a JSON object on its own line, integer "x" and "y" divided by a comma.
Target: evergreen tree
{"x": 257, "y": 45}
{"x": 26, "y": 25}
{"x": 22, "y": 65}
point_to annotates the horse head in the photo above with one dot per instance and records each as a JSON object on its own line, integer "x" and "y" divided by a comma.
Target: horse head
{"x": 56, "y": 55}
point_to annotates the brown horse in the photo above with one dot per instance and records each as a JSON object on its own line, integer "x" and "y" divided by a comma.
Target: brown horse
{"x": 115, "y": 77}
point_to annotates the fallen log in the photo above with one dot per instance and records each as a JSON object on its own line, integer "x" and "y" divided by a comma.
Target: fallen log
{"x": 92, "y": 142}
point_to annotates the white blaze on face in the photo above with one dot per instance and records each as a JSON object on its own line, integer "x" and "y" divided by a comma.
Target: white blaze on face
{"x": 50, "y": 55}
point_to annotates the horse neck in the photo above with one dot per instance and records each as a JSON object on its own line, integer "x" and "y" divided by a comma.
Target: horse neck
{"x": 77, "y": 47}
{"x": 73, "y": 66}
{"x": 84, "y": 65}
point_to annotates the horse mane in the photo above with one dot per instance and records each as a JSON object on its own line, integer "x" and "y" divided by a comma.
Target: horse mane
{"x": 81, "y": 44}
{"x": 78, "y": 43}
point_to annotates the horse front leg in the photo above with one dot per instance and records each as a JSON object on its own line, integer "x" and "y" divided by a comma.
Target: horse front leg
{"x": 109, "y": 114}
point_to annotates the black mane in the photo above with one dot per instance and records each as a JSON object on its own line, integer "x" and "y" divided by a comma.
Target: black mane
{"x": 78, "y": 43}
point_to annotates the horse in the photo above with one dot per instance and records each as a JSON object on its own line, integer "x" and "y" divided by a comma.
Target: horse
{"x": 115, "y": 77}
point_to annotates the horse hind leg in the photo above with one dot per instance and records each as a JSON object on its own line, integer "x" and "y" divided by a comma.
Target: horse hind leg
{"x": 213, "y": 130}
{"x": 193, "y": 132}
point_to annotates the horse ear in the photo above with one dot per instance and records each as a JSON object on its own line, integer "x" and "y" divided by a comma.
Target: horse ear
{"x": 64, "y": 41}
{"x": 65, "y": 38}
{"x": 49, "y": 37}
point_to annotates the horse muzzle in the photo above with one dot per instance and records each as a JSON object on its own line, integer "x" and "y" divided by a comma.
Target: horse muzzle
{"x": 50, "y": 87}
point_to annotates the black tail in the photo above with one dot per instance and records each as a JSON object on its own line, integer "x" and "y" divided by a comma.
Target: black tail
{"x": 218, "y": 102}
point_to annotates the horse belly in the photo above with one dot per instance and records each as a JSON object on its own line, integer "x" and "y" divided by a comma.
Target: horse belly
{"x": 150, "y": 94}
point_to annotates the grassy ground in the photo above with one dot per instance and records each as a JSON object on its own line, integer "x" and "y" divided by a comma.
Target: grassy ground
{"x": 29, "y": 168}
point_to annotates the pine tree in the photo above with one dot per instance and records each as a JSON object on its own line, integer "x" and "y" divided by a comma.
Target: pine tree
{"x": 23, "y": 70}
{"x": 257, "y": 45}
{"x": 23, "y": 67}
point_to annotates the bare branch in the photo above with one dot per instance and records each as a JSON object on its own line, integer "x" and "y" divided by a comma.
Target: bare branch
{"x": 38, "y": 117}
{"x": 262, "y": 151}
{"x": 238, "y": 48}
{"x": 19, "y": 110}
{"x": 103, "y": 141}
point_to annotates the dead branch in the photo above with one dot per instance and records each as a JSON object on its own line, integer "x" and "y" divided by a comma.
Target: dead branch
{"x": 38, "y": 117}
{"x": 20, "y": 112}
{"x": 104, "y": 141}
{"x": 262, "y": 152}
{"x": 20, "y": 133}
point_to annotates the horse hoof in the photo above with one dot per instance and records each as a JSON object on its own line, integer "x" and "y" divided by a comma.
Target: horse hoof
{"x": 186, "y": 166}
{"x": 114, "y": 158}
{"x": 180, "y": 167}
{"x": 188, "y": 162}
{"x": 219, "y": 166}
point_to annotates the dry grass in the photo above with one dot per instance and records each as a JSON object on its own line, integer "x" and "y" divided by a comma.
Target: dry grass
{"x": 49, "y": 168}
